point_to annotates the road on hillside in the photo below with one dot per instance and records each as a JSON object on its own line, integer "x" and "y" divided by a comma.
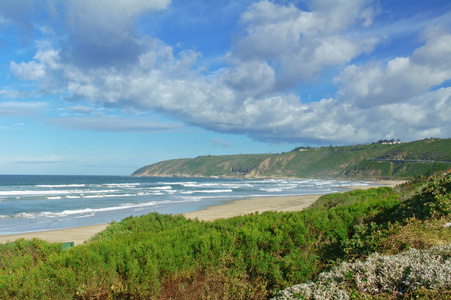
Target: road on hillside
{"x": 409, "y": 160}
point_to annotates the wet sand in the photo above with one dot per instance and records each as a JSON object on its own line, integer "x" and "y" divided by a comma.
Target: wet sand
{"x": 79, "y": 235}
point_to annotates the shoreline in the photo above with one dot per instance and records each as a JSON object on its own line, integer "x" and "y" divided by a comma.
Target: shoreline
{"x": 252, "y": 205}
{"x": 278, "y": 203}
{"x": 79, "y": 235}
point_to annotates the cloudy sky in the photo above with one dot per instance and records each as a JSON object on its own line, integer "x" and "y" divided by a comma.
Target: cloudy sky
{"x": 107, "y": 86}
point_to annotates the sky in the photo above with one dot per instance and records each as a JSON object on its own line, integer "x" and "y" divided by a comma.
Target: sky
{"x": 104, "y": 87}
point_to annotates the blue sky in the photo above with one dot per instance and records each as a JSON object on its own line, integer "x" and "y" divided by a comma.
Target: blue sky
{"x": 102, "y": 87}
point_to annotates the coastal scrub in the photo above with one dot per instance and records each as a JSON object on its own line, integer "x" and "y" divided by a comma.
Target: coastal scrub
{"x": 247, "y": 257}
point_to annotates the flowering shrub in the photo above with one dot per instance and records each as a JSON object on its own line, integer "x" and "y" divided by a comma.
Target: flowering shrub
{"x": 393, "y": 274}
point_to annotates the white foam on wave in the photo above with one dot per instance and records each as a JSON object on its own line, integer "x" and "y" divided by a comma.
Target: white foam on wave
{"x": 107, "y": 196}
{"x": 196, "y": 185}
{"x": 175, "y": 183}
{"x": 34, "y": 193}
{"x": 59, "y": 185}
{"x": 218, "y": 185}
{"x": 85, "y": 210}
{"x": 167, "y": 187}
{"x": 350, "y": 183}
{"x": 236, "y": 185}
{"x": 287, "y": 186}
{"x": 92, "y": 196}
{"x": 123, "y": 185}
{"x": 359, "y": 184}
{"x": 51, "y": 192}
{"x": 207, "y": 191}
{"x": 323, "y": 182}
{"x": 272, "y": 190}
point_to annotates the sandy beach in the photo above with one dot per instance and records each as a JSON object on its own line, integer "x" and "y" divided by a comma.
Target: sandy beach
{"x": 289, "y": 203}
{"x": 244, "y": 207}
{"x": 79, "y": 235}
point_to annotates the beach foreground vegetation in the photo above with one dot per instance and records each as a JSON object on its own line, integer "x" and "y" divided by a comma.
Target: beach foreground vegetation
{"x": 330, "y": 247}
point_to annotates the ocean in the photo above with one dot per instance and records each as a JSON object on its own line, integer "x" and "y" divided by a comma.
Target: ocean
{"x": 35, "y": 203}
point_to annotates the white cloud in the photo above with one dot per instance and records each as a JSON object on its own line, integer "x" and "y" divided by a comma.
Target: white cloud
{"x": 401, "y": 78}
{"x": 282, "y": 46}
{"x": 300, "y": 44}
{"x": 102, "y": 32}
{"x": 338, "y": 15}
{"x": 247, "y": 78}
{"x": 28, "y": 71}
{"x": 436, "y": 53}
{"x": 44, "y": 63}
{"x": 112, "y": 18}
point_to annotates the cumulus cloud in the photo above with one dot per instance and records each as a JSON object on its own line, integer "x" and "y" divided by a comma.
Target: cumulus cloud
{"x": 401, "y": 78}
{"x": 101, "y": 32}
{"x": 299, "y": 43}
{"x": 281, "y": 47}
{"x": 27, "y": 71}
{"x": 253, "y": 78}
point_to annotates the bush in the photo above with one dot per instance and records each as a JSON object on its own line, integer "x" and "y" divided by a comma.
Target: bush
{"x": 246, "y": 257}
{"x": 403, "y": 274}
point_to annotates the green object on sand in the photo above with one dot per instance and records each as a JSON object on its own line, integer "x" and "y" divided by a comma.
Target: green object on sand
{"x": 67, "y": 245}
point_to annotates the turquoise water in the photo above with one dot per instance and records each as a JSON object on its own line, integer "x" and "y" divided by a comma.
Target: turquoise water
{"x": 34, "y": 203}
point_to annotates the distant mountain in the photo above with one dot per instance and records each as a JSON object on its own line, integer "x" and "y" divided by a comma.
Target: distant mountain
{"x": 370, "y": 161}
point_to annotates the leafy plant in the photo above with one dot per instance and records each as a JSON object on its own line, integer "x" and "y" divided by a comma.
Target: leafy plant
{"x": 246, "y": 257}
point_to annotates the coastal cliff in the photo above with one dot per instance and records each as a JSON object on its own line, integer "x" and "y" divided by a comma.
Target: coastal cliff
{"x": 370, "y": 161}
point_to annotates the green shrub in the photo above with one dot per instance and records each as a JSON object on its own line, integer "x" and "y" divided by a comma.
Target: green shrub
{"x": 246, "y": 257}
{"x": 432, "y": 202}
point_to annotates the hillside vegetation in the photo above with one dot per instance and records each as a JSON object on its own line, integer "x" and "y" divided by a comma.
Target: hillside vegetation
{"x": 251, "y": 257}
{"x": 373, "y": 161}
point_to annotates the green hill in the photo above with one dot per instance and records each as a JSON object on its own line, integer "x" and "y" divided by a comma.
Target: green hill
{"x": 371, "y": 161}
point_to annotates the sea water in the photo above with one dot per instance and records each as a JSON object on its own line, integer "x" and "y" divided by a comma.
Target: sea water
{"x": 35, "y": 203}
